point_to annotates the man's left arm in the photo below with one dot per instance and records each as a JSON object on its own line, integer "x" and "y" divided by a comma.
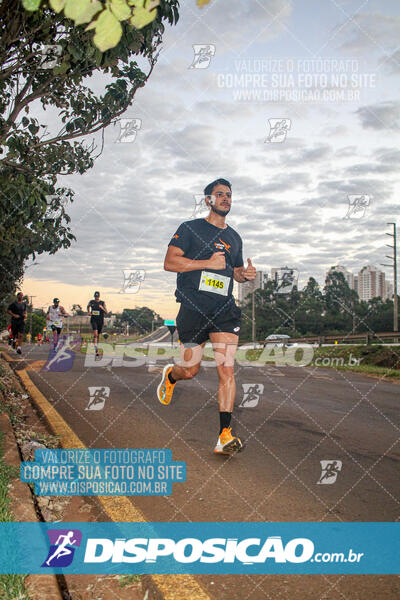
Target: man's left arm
{"x": 64, "y": 312}
{"x": 240, "y": 273}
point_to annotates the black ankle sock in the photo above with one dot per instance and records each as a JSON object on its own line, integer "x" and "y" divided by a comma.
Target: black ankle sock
{"x": 224, "y": 420}
{"x": 172, "y": 380}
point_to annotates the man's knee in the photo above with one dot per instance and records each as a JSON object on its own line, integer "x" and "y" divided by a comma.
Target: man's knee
{"x": 191, "y": 372}
{"x": 225, "y": 372}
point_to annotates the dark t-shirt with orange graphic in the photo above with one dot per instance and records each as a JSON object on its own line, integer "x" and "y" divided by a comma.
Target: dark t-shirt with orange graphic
{"x": 207, "y": 290}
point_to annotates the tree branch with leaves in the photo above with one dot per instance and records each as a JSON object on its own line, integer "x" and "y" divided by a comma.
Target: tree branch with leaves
{"x": 47, "y": 62}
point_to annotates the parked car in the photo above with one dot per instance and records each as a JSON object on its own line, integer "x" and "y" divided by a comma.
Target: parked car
{"x": 279, "y": 340}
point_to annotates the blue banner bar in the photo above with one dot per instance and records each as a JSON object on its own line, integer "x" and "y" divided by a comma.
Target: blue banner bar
{"x": 195, "y": 548}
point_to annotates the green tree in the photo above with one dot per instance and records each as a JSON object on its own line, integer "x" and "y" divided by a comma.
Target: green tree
{"x": 33, "y": 217}
{"x": 340, "y": 303}
{"x": 77, "y": 310}
{"x": 311, "y": 313}
{"x": 38, "y": 323}
{"x": 139, "y": 319}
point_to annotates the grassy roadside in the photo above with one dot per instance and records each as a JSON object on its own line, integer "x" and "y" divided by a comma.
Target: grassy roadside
{"x": 12, "y": 587}
{"x": 374, "y": 359}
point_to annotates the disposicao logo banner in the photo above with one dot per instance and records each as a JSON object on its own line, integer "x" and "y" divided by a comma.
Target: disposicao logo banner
{"x": 195, "y": 548}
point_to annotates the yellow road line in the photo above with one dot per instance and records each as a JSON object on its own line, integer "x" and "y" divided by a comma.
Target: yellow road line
{"x": 119, "y": 508}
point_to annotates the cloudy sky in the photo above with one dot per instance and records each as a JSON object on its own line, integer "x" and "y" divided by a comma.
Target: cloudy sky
{"x": 327, "y": 72}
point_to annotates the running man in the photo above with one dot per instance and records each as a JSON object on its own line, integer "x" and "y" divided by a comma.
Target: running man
{"x": 55, "y": 314}
{"x": 62, "y": 550}
{"x": 207, "y": 256}
{"x": 17, "y": 310}
{"x": 96, "y": 309}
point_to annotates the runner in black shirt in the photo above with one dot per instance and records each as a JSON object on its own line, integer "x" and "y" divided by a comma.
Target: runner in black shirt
{"x": 97, "y": 310}
{"x": 17, "y": 310}
{"x": 207, "y": 255}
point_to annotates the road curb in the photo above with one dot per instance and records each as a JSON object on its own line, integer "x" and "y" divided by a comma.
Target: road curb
{"x": 119, "y": 508}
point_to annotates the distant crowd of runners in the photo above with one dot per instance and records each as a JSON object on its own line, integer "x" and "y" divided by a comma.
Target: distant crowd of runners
{"x": 55, "y": 316}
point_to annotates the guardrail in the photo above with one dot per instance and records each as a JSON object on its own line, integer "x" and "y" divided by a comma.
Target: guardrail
{"x": 366, "y": 338}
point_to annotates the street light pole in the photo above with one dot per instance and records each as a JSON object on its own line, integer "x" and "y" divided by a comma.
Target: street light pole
{"x": 394, "y": 266}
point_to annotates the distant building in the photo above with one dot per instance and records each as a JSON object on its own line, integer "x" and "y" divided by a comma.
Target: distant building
{"x": 356, "y": 283}
{"x": 371, "y": 283}
{"x": 275, "y": 274}
{"x": 248, "y": 287}
{"x": 388, "y": 290}
{"x": 348, "y": 275}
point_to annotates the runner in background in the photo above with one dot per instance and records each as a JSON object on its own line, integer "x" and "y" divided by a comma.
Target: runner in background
{"x": 17, "y": 310}
{"x": 55, "y": 314}
{"x": 10, "y": 336}
{"x": 96, "y": 309}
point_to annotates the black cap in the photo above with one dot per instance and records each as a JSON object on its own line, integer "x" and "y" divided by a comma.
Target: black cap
{"x": 97, "y": 293}
{"x": 55, "y": 300}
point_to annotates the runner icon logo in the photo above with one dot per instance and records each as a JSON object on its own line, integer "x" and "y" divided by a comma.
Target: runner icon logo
{"x": 50, "y": 55}
{"x": 200, "y": 205}
{"x": 62, "y": 359}
{"x": 132, "y": 280}
{"x": 128, "y": 129}
{"x": 286, "y": 279}
{"x": 329, "y": 471}
{"x": 278, "y": 129}
{"x": 252, "y": 393}
{"x": 202, "y": 55}
{"x": 98, "y": 396}
{"x": 357, "y": 206}
{"x": 63, "y": 543}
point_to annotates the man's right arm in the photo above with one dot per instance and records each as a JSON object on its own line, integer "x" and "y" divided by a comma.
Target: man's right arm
{"x": 176, "y": 262}
{"x": 9, "y": 311}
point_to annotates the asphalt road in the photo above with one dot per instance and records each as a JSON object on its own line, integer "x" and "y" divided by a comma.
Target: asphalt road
{"x": 301, "y": 417}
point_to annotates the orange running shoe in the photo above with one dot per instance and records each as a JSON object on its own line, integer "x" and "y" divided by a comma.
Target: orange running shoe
{"x": 165, "y": 388}
{"x": 228, "y": 443}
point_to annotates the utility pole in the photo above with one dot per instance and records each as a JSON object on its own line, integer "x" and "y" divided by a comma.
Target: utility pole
{"x": 253, "y": 317}
{"x": 394, "y": 266}
{"x": 31, "y": 311}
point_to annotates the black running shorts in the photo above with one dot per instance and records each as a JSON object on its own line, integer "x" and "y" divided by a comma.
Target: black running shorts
{"x": 194, "y": 328}
{"x": 58, "y": 329}
{"x": 97, "y": 324}
{"x": 17, "y": 326}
